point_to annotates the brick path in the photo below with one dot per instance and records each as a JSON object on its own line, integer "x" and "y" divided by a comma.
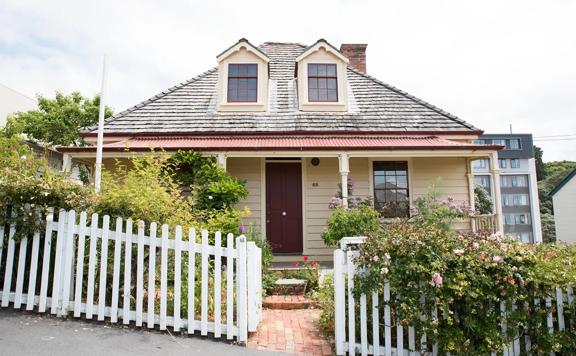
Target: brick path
{"x": 290, "y": 331}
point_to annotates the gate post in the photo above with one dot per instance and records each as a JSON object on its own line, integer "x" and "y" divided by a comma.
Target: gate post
{"x": 254, "y": 286}
{"x": 242, "y": 303}
{"x": 339, "y": 305}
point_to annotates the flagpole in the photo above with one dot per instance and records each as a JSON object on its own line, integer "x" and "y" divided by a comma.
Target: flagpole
{"x": 100, "y": 140}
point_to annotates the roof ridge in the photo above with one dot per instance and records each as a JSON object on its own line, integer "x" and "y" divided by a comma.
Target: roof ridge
{"x": 156, "y": 97}
{"x": 563, "y": 182}
{"x": 282, "y": 43}
{"x": 414, "y": 98}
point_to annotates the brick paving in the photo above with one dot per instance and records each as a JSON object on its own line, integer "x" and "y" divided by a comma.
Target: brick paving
{"x": 290, "y": 331}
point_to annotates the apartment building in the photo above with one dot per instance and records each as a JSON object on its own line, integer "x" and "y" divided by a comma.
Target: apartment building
{"x": 518, "y": 184}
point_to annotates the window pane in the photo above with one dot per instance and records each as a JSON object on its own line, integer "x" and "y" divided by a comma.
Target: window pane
{"x": 252, "y": 96}
{"x": 402, "y": 182}
{"x": 321, "y": 70}
{"x": 232, "y": 70}
{"x": 322, "y": 95}
{"x": 331, "y": 70}
{"x": 242, "y": 71}
{"x": 232, "y": 94}
{"x": 312, "y": 69}
{"x": 312, "y": 83}
{"x": 252, "y": 70}
{"x": 322, "y": 83}
{"x": 332, "y": 95}
{"x": 331, "y": 83}
{"x": 313, "y": 94}
{"x": 252, "y": 83}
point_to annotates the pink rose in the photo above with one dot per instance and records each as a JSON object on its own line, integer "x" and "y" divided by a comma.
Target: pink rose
{"x": 437, "y": 279}
{"x": 496, "y": 259}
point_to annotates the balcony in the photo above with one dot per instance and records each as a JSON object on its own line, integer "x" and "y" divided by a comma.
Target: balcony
{"x": 486, "y": 223}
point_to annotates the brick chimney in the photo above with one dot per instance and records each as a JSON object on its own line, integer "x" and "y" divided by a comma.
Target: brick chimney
{"x": 356, "y": 53}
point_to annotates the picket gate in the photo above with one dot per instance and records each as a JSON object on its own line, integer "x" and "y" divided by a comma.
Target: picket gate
{"x": 349, "y": 340}
{"x": 91, "y": 269}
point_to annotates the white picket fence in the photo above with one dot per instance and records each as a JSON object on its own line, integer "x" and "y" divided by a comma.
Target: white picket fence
{"x": 407, "y": 342}
{"x": 74, "y": 275}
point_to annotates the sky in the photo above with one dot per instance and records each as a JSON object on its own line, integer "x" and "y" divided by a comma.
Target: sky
{"x": 492, "y": 63}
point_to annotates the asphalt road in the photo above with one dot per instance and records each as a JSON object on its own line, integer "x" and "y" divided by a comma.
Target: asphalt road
{"x": 26, "y": 334}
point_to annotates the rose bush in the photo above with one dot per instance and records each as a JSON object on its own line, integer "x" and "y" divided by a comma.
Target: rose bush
{"x": 465, "y": 277}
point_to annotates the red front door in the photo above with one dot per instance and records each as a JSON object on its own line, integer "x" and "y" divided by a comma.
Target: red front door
{"x": 284, "y": 207}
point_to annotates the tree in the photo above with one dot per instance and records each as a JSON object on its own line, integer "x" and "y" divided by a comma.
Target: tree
{"x": 482, "y": 200}
{"x": 540, "y": 166}
{"x": 57, "y": 121}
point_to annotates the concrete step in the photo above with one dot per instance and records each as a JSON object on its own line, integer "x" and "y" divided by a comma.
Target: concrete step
{"x": 288, "y": 302}
{"x": 289, "y": 286}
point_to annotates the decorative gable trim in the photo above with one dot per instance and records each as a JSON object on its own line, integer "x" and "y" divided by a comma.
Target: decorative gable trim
{"x": 322, "y": 43}
{"x": 242, "y": 43}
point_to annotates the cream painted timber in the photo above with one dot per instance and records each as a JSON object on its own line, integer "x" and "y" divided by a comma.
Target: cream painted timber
{"x": 243, "y": 55}
{"x": 322, "y": 54}
{"x": 248, "y": 169}
{"x": 321, "y": 184}
{"x": 564, "y": 207}
{"x": 451, "y": 176}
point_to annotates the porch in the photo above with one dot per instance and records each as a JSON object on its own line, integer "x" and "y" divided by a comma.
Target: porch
{"x": 319, "y": 180}
{"x": 291, "y": 179}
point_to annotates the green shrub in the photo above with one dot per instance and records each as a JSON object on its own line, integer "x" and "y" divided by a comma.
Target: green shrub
{"x": 325, "y": 299}
{"x": 145, "y": 191}
{"x": 268, "y": 277}
{"x": 212, "y": 187}
{"x": 28, "y": 187}
{"x": 350, "y": 222}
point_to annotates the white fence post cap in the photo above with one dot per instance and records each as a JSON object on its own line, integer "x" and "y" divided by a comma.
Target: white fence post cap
{"x": 351, "y": 242}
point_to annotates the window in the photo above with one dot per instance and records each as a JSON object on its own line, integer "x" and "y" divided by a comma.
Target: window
{"x": 524, "y": 237}
{"x": 483, "y": 181}
{"x": 391, "y": 195}
{"x": 515, "y": 163}
{"x": 502, "y": 163}
{"x": 242, "y": 83}
{"x": 508, "y": 181}
{"x": 517, "y": 219}
{"x": 480, "y": 163}
{"x": 515, "y": 199}
{"x": 480, "y": 142}
{"x": 499, "y": 142}
{"x": 322, "y": 83}
{"x": 513, "y": 144}
{"x": 522, "y": 219}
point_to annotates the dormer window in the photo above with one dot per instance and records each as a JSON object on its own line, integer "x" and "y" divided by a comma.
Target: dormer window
{"x": 322, "y": 83}
{"x": 322, "y": 78}
{"x": 242, "y": 83}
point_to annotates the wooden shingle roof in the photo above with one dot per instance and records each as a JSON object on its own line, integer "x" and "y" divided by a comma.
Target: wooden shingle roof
{"x": 374, "y": 107}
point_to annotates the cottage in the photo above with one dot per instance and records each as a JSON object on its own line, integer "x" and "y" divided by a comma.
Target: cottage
{"x": 295, "y": 121}
{"x": 564, "y": 200}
